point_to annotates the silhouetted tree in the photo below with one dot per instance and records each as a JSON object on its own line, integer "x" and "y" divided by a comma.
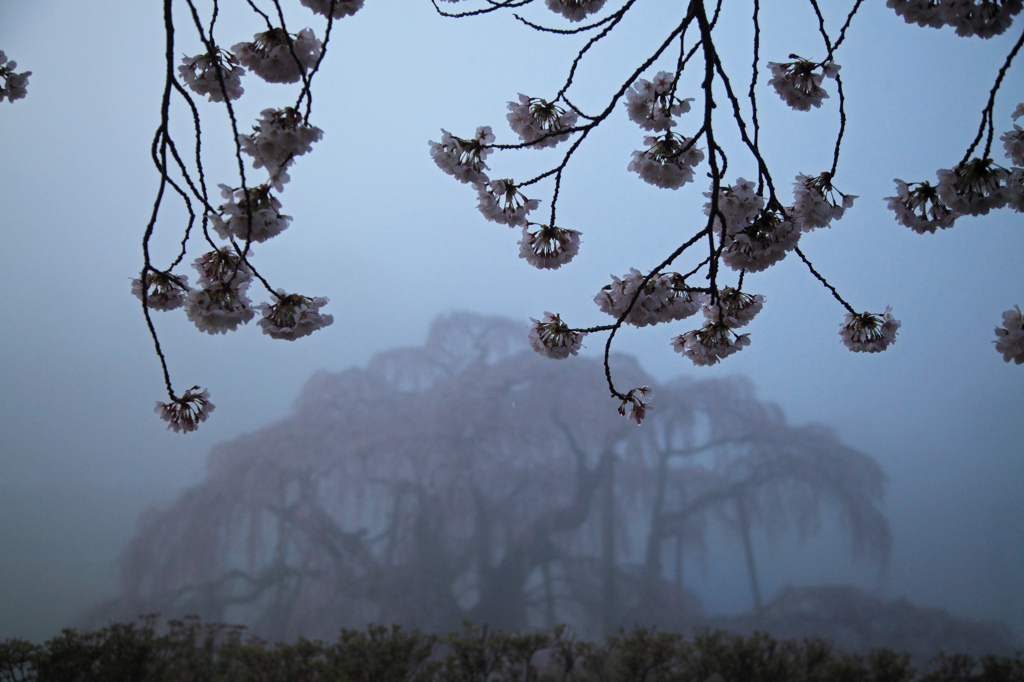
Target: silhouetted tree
{"x": 472, "y": 479}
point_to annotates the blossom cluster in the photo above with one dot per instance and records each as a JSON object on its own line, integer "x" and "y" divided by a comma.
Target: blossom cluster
{"x": 540, "y": 122}
{"x": 799, "y": 83}
{"x": 184, "y": 414}
{"x": 548, "y": 247}
{"x": 464, "y": 159}
{"x": 503, "y": 203}
{"x": 982, "y": 18}
{"x": 342, "y": 8}
{"x": 869, "y": 333}
{"x": 278, "y": 57}
{"x": 815, "y": 203}
{"x": 277, "y": 138}
{"x": 575, "y": 10}
{"x": 652, "y": 104}
{"x": 15, "y": 85}
{"x": 753, "y": 238}
{"x": 664, "y": 298}
{"x": 709, "y": 344}
{"x": 1010, "y": 337}
{"x": 250, "y": 215}
{"x": 293, "y": 316}
{"x": 553, "y": 338}
{"x": 668, "y": 161}
{"x": 164, "y": 291}
{"x": 204, "y": 75}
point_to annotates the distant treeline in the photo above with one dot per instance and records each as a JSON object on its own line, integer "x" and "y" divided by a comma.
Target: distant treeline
{"x": 188, "y": 650}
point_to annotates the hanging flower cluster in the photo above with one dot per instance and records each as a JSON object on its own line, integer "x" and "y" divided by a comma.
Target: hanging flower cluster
{"x": 184, "y": 414}
{"x": 250, "y": 215}
{"x": 815, "y": 203}
{"x": 652, "y": 104}
{"x": 709, "y": 344}
{"x": 982, "y": 18}
{"x": 799, "y": 83}
{"x": 665, "y": 298}
{"x": 548, "y": 247}
{"x": 869, "y": 333}
{"x": 1010, "y": 337}
{"x": 753, "y": 238}
{"x": 575, "y": 10}
{"x": 668, "y": 161}
{"x": 461, "y": 158}
{"x": 278, "y": 57}
{"x": 503, "y": 203}
{"x": 205, "y": 72}
{"x": 540, "y": 122}
{"x": 553, "y": 339}
{"x": 342, "y": 8}
{"x": 163, "y": 291}
{"x": 277, "y": 138}
{"x": 15, "y": 85}
{"x": 293, "y": 316}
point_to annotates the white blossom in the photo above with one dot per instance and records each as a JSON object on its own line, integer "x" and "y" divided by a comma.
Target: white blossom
{"x": 1010, "y": 337}
{"x": 548, "y": 247}
{"x": 219, "y": 307}
{"x": 223, "y": 265}
{"x": 920, "y": 208}
{"x": 974, "y": 187}
{"x": 164, "y": 291}
{"x": 815, "y": 203}
{"x": 575, "y": 10}
{"x": 869, "y": 333}
{"x": 799, "y": 83}
{"x": 293, "y": 316}
{"x": 270, "y": 57}
{"x": 762, "y": 244}
{"x": 651, "y": 104}
{"x": 532, "y": 119}
{"x": 184, "y": 414}
{"x": 461, "y": 158}
{"x": 1013, "y": 143}
{"x": 1015, "y": 190}
{"x": 501, "y": 202}
{"x": 664, "y": 298}
{"x": 710, "y": 343}
{"x": 200, "y": 75}
{"x": 15, "y": 85}
{"x": 982, "y": 18}
{"x": 342, "y": 8}
{"x": 277, "y": 138}
{"x": 267, "y": 219}
{"x": 734, "y": 308}
{"x": 668, "y": 161}
{"x": 637, "y": 406}
{"x": 553, "y": 339}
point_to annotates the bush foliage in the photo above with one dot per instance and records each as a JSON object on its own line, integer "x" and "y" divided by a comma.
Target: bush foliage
{"x": 190, "y": 650}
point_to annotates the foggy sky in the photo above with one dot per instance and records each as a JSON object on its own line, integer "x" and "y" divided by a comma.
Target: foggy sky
{"x": 392, "y": 242}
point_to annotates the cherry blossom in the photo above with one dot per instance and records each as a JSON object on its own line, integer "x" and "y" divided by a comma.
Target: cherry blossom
{"x": 553, "y": 339}
{"x": 575, "y": 10}
{"x": 266, "y": 218}
{"x": 651, "y": 104}
{"x": 548, "y": 247}
{"x": 1015, "y": 190}
{"x": 271, "y": 58}
{"x": 637, "y": 409}
{"x": 1013, "y": 140}
{"x": 709, "y": 344}
{"x": 463, "y": 159}
{"x": 975, "y": 187}
{"x": 503, "y": 203}
{"x": 762, "y": 244}
{"x": 278, "y": 137}
{"x": 293, "y": 316}
{"x": 733, "y": 308}
{"x": 665, "y": 298}
{"x": 222, "y": 265}
{"x": 1010, "y": 337}
{"x": 869, "y": 333}
{"x": 815, "y": 203}
{"x": 342, "y": 8}
{"x": 164, "y": 291}
{"x": 668, "y": 161}
{"x": 799, "y": 83}
{"x": 920, "y": 208}
{"x": 219, "y": 307}
{"x": 184, "y": 414}
{"x": 15, "y": 85}
{"x": 200, "y": 75}
{"x": 533, "y": 119}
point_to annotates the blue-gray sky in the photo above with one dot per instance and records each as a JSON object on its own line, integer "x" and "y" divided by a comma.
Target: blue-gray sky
{"x": 393, "y": 242}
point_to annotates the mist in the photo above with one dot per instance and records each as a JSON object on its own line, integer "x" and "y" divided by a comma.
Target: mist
{"x": 394, "y": 243}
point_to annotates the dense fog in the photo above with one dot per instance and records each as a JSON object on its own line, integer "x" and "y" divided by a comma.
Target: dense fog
{"x": 934, "y": 426}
